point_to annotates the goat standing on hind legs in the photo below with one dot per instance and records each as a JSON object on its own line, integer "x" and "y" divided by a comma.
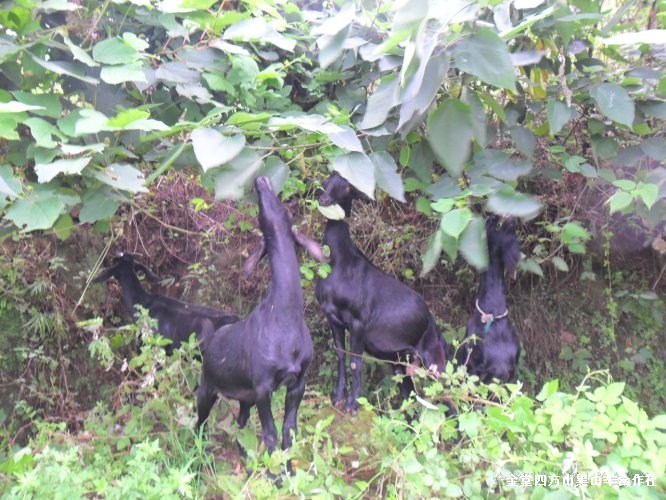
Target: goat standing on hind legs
{"x": 249, "y": 360}
{"x": 384, "y": 317}
{"x": 491, "y": 348}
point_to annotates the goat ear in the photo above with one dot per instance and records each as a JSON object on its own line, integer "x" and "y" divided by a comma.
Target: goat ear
{"x": 254, "y": 258}
{"x": 149, "y": 274}
{"x": 104, "y": 275}
{"x": 311, "y": 246}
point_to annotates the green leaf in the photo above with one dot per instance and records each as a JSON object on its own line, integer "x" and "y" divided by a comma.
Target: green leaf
{"x": 510, "y": 202}
{"x": 42, "y": 131}
{"x": 77, "y": 52}
{"x": 380, "y": 103}
{"x": 18, "y": 107}
{"x": 450, "y": 133}
{"x": 486, "y": 56}
{"x": 573, "y": 232}
{"x": 548, "y": 389}
{"x": 100, "y": 203}
{"x": 473, "y": 244}
{"x": 115, "y": 51}
{"x": 86, "y": 121}
{"x": 68, "y": 166}
{"x": 388, "y": 179}
{"x": 331, "y": 47}
{"x": 358, "y": 170}
{"x": 559, "y": 420}
{"x": 625, "y": 184}
{"x": 619, "y": 201}
{"x": 655, "y": 147}
{"x": 524, "y": 140}
{"x": 232, "y": 181}
{"x": 560, "y": 264}
{"x": 45, "y": 104}
{"x": 499, "y": 165}
{"x": 430, "y": 257}
{"x": 454, "y": 222}
{"x": 213, "y": 149}
{"x": 443, "y": 205}
{"x": 257, "y": 30}
{"x": 122, "y": 176}
{"x": 10, "y": 186}
{"x": 66, "y": 68}
{"x": 131, "y": 72}
{"x": 277, "y": 171}
{"x": 38, "y": 210}
{"x": 63, "y": 227}
{"x": 649, "y": 193}
{"x": 558, "y": 115}
{"x": 649, "y": 37}
{"x": 531, "y": 266}
{"x": 615, "y": 103}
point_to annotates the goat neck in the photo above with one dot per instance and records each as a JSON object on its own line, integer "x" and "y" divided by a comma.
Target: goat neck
{"x": 504, "y": 253}
{"x": 280, "y": 246}
{"x": 338, "y": 239}
{"x": 132, "y": 290}
{"x": 491, "y": 288}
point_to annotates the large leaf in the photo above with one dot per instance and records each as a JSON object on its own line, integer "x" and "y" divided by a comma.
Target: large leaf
{"x": 431, "y": 256}
{"x": 473, "y": 244}
{"x": 486, "y": 56}
{"x": 450, "y": 133}
{"x": 232, "y": 181}
{"x": 342, "y": 136}
{"x": 387, "y": 176}
{"x": 213, "y": 149}
{"x": 510, "y": 202}
{"x": 122, "y": 176}
{"x": 132, "y": 72}
{"x": 100, "y": 203}
{"x": 358, "y": 170}
{"x": 412, "y": 110}
{"x": 38, "y": 210}
{"x": 115, "y": 51}
{"x": 10, "y": 186}
{"x": 455, "y": 221}
{"x": 499, "y": 165}
{"x": 68, "y": 166}
{"x": 380, "y": 103}
{"x": 46, "y": 104}
{"x": 524, "y": 140}
{"x": 258, "y": 30}
{"x": 277, "y": 171}
{"x": 42, "y": 131}
{"x": 558, "y": 115}
{"x": 655, "y": 147}
{"x": 615, "y": 103}
{"x": 649, "y": 37}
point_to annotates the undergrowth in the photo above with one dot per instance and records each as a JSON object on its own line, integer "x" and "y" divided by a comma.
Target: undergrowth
{"x": 456, "y": 438}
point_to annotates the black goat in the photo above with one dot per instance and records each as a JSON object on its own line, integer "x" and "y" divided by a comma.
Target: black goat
{"x": 271, "y": 347}
{"x": 491, "y": 348}
{"x": 176, "y": 320}
{"x": 384, "y": 317}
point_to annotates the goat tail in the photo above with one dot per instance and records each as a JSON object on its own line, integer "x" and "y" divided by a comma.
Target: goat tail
{"x": 206, "y": 330}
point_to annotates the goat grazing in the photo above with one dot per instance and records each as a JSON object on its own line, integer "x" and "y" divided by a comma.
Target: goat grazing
{"x": 176, "y": 320}
{"x": 384, "y": 317}
{"x": 271, "y": 347}
{"x": 491, "y": 348}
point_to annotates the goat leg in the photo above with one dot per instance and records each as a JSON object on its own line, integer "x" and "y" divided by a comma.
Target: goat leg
{"x": 356, "y": 365}
{"x": 268, "y": 431}
{"x": 206, "y": 397}
{"x": 291, "y": 403}
{"x": 341, "y": 386}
